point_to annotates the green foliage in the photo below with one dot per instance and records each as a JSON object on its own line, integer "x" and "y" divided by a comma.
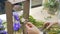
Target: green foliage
{"x": 52, "y": 4}
{"x": 55, "y": 29}
{"x": 36, "y": 23}
{"x": 33, "y": 21}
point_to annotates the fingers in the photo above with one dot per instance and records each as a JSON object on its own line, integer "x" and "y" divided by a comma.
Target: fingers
{"x": 46, "y": 25}
{"x": 29, "y": 25}
{"x": 49, "y": 26}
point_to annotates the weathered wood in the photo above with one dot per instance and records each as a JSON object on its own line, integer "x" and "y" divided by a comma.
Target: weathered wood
{"x": 15, "y": 1}
{"x": 8, "y": 8}
{"x": 26, "y": 10}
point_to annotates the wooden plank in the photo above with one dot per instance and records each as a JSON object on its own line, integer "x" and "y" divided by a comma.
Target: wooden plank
{"x": 26, "y": 9}
{"x": 15, "y": 1}
{"x": 26, "y": 14}
{"x": 8, "y": 8}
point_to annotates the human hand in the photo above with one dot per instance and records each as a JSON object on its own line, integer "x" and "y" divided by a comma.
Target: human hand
{"x": 31, "y": 29}
{"x": 47, "y": 25}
